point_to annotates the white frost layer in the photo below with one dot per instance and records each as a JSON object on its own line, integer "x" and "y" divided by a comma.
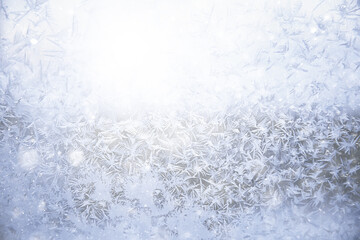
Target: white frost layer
{"x": 257, "y": 137}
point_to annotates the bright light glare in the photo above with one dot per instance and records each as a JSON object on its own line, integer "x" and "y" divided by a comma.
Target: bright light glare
{"x": 152, "y": 55}
{"x": 131, "y": 54}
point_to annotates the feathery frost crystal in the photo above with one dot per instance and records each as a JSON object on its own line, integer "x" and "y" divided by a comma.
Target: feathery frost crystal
{"x": 179, "y": 119}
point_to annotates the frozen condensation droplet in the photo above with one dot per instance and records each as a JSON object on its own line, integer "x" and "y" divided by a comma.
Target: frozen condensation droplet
{"x": 42, "y": 205}
{"x": 17, "y": 212}
{"x": 187, "y": 235}
{"x": 313, "y": 30}
{"x": 76, "y": 157}
{"x": 28, "y": 159}
{"x": 34, "y": 41}
{"x": 102, "y": 191}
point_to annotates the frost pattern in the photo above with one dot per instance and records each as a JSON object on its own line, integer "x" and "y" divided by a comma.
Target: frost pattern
{"x": 266, "y": 146}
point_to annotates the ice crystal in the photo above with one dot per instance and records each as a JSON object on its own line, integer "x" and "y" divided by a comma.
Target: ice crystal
{"x": 256, "y": 136}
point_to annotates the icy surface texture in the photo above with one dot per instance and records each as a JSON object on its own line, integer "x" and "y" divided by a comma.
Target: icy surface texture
{"x": 256, "y": 137}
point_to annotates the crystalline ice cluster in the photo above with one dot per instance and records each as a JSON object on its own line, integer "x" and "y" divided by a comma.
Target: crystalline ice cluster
{"x": 262, "y": 140}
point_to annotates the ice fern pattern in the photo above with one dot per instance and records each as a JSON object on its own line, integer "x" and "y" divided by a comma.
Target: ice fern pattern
{"x": 267, "y": 146}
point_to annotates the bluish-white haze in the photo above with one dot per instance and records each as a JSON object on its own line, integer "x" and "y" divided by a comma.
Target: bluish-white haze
{"x": 178, "y": 119}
